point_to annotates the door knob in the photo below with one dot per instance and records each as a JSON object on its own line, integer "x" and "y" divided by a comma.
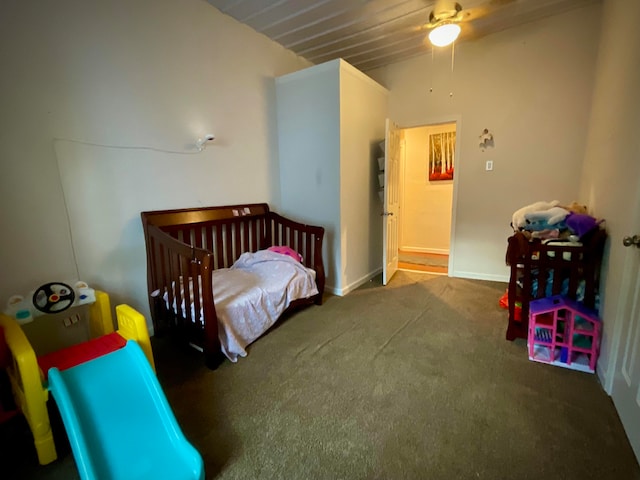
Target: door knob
{"x": 628, "y": 241}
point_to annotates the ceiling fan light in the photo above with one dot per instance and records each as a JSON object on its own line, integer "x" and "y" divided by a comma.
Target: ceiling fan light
{"x": 444, "y": 35}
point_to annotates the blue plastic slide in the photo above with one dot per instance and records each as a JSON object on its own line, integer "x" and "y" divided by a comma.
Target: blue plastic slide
{"x": 119, "y": 422}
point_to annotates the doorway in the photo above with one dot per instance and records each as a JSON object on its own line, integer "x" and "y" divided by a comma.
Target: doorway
{"x": 426, "y": 197}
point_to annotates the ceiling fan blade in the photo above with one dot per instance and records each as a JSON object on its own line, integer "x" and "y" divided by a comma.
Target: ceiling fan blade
{"x": 472, "y": 14}
{"x": 444, "y": 10}
{"x": 500, "y": 3}
{"x": 468, "y": 31}
{"x": 475, "y": 13}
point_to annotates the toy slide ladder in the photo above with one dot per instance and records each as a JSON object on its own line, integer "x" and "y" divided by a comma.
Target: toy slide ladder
{"x": 119, "y": 422}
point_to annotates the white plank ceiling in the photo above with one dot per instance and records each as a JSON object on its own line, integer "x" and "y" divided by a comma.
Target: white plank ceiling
{"x": 374, "y": 33}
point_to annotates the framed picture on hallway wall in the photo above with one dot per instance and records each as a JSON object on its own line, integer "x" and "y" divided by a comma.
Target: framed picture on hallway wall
{"x": 441, "y": 155}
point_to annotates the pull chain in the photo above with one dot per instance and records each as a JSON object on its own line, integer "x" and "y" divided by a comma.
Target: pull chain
{"x": 453, "y": 54}
{"x": 431, "y": 73}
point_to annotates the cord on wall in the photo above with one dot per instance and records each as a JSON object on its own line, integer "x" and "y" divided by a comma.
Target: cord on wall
{"x": 66, "y": 211}
{"x": 200, "y": 145}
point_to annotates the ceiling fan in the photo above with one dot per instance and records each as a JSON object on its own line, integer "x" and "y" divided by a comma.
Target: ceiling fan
{"x": 444, "y": 23}
{"x": 447, "y": 15}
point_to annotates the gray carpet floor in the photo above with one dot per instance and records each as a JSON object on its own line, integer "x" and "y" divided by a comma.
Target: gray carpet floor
{"x": 409, "y": 381}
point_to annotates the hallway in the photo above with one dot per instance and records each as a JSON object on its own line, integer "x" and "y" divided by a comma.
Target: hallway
{"x": 423, "y": 262}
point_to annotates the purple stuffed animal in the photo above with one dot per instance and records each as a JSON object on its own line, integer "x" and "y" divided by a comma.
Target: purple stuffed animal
{"x": 580, "y": 224}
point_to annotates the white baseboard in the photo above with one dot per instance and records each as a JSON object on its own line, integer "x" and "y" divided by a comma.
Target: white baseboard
{"x": 602, "y": 371}
{"x": 361, "y": 281}
{"x": 341, "y": 292}
{"x": 436, "y": 251}
{"x": 332, "y": 290}
{"x": 480, "y": 276}
{"x": 456, "y": 274}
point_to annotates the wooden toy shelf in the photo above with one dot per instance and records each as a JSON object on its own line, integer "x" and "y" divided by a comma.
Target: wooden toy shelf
{"x": 563, "y": 332}
{"x": 544, "y": 269}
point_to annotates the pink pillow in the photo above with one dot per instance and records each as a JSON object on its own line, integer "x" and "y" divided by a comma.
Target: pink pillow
{"x": 286, "y": 251}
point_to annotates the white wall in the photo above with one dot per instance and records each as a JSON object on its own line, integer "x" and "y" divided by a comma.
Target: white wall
{"x": 363, "y": 110}
{"x": 308, "y": 105}
{"x": 330, "y": 121}
{"x": 425, "y": 216}
{"x": 139, "y": 78}
{"x": 611, "y": 178}
{"x": 531, "y": 87}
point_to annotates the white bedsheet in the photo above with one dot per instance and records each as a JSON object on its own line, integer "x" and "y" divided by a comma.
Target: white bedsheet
{"x": 252, "y": 294}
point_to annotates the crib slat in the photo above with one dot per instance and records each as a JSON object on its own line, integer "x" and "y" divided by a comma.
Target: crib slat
{"x": 168, "y": 287}
{"x": 574, "y": 278}
{"x": 197, "y": 237}
{"x": 275, "y": 234}
{"x": 252, "y": 233}
{"x": 307, "y": 253}
{"x": 237, "y": 233}
{"x": 209, "y": 237}
{"x": 228, "y": 245}
{"x": 262, "y": 232}
{"x": 164, "y": 267}
{"x": 244, "y": 237}
{"x": 219, "y": 257}
{"x": 174, "y": 269}
{"x": 158, "y": 273}
{"x": 197, "y": 293}
{"x": 299, "y": 245}
{"x": 264, "y": 235}
{"x": 183, "y": 289}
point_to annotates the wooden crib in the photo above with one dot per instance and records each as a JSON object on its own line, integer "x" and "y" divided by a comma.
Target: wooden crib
{"x": 193, "y": 242}
{"x": 544, "y": 269}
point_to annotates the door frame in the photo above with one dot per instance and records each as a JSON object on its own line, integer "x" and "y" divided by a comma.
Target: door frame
{"x": 430, "y": 121}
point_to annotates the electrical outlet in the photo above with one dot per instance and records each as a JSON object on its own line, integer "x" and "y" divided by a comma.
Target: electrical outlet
{"x": 489, "y": 165}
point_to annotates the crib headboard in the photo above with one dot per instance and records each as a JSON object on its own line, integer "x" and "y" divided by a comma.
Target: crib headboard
{"x": 229, "y": 231}
{"x": 226, "y": 232}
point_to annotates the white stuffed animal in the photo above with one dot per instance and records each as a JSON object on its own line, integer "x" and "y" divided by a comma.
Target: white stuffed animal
{"x": 550, "y": 217}
{"x": 518, "y": 220}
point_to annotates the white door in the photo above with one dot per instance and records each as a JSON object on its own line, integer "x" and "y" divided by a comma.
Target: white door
{"x": 626, "y": 383}
{"x": 391, "y": 201}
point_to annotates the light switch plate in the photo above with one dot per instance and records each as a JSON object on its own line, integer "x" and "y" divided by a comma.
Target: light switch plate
{"x": 489, "y": 165}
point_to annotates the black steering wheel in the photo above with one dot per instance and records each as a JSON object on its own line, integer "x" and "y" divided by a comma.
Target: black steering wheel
{"x": 53, "y": 297}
